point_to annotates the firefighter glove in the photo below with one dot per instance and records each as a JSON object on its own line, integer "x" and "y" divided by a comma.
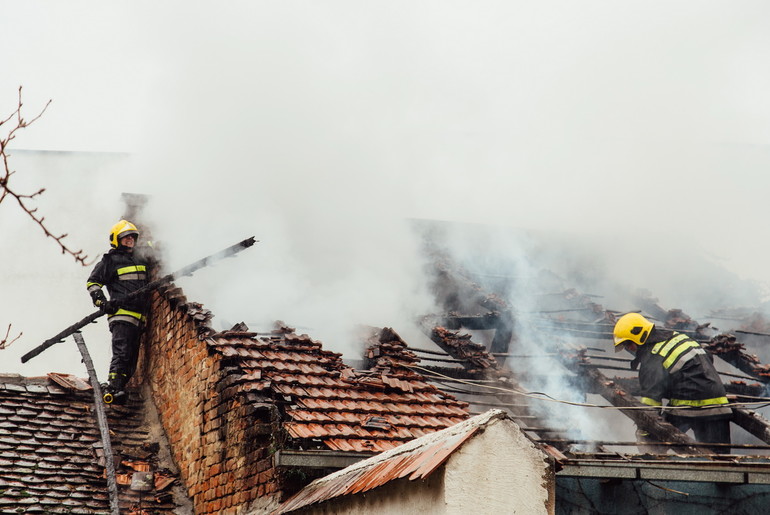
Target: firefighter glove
{"x": 109, "y": 307}
{"x": 98, "y": 298}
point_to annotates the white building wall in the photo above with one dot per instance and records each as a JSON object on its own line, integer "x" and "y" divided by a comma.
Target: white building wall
{"x": 500, "y": 471}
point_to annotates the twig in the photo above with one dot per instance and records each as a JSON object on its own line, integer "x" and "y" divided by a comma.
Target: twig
{"x": 4, "y": 342}
{"x": 23, "y": 198}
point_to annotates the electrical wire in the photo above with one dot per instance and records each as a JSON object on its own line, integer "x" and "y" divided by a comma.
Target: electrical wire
{"x": 765, "y": 401}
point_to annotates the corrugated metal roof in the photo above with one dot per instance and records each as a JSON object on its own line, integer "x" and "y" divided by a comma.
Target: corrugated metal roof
{"x": 414, "y": 460}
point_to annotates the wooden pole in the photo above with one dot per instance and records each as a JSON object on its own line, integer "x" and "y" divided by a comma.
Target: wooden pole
{"x": 101, "y": 419}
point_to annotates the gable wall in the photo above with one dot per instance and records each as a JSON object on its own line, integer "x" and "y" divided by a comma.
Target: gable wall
{"x": 221, "y": 449}
{"x": 501, "y": 470}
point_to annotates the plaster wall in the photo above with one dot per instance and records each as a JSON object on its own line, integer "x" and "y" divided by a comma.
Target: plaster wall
{"x": 499, "y": 471}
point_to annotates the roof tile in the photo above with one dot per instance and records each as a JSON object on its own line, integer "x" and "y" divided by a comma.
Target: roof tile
{"x": 47, "y": 448}
{"x": 331, "y": 403}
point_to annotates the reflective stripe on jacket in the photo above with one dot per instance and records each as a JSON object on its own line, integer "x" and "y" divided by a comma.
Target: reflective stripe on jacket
{"x": 680, "y": 370}
{"x": 124, "y": 315}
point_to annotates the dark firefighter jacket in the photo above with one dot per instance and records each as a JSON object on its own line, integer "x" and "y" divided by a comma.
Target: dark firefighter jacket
{"x": 680, "y": 370}
{"x": 122, "y": 273}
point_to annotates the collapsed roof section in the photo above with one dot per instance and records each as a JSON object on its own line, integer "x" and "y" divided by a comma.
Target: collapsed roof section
{"x": 568, "y": 315}
{"x": 325, "y": 404}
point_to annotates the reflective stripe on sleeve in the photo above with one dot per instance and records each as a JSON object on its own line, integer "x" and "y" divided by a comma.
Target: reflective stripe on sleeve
{"x": 683, "y": 347}
{"x": 699, "y": 403}
{"x": 651, "y": 402}
{"x": 668, "y": 344}
{"x": 684, "y": 359}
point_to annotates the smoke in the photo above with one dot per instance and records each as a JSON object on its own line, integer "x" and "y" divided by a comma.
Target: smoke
{"x": 634, "y": 135}
{"x": 44, "y": 290}
{"x": 533, "y": 270}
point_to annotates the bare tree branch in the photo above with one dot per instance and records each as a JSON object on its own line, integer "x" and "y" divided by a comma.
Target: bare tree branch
{"x": 25, "y": 199}
{"x": 4, "y": 342}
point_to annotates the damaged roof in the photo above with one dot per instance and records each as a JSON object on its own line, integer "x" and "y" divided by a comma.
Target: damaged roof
{"x": 327, "y": 404}
{"x": 568, "y": 333}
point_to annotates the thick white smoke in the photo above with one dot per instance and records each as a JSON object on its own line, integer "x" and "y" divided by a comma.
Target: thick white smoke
{"x": 637, "y": 130}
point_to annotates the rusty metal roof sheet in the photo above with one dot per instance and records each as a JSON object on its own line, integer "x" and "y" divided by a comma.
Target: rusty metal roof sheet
{"x": 329, "y": 404}
{"x": 414, "y": 460}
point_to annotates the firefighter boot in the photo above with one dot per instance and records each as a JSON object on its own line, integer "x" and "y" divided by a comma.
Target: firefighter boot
{"x": 115, "y": 393}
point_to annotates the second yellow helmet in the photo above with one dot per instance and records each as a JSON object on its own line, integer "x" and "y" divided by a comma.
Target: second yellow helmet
{"x": 632, "y": 327}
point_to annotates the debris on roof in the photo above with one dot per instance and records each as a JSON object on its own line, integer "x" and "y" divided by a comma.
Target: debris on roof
{"x": 70, "y": 381}
{"x": 326, "y": 404}
{"x": 475, "y": 357}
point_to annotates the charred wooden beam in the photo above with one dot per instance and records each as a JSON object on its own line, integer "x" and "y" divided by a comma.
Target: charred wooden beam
{"x": 727, "y": 348}
{"x": 552, "y": 323}
{"x": 646, "y": 419}
{"x": 453, "y": 372}
{"x": 603, "y": 367}
{"x": 509, "y": 401}
{"x": 501, "y": 322}
{"x": 458, "y": 292}
{"x": 474, "y": 356}
{"x": 752, "y": 422}
{"x": 489, "y": 320}
{"x": 503, "y": 332}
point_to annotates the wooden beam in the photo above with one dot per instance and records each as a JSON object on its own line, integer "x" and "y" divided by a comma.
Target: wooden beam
{"x": 646, "y": 419}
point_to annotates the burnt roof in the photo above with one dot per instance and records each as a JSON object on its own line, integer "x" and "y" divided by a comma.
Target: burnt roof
{"x": 328, "y": 405}
{"x": 571, "y": 333}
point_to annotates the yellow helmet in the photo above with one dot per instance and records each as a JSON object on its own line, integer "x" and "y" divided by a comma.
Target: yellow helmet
{"x": 632, "y": 327}
{"x": 121, "y": 230}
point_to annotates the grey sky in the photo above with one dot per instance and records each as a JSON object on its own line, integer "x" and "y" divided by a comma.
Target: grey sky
{"x": 307, "y": 124}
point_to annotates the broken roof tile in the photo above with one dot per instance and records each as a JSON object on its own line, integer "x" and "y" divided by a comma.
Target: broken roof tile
{"x": 328, "y": 403}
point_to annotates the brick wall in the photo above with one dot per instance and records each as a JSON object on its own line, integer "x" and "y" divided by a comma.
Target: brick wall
{"x": 220, "y": 442}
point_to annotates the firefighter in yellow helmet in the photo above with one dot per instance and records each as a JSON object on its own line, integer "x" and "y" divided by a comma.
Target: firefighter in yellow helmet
{"x": 122, "y": 271}
{"x": 676, "y": 367}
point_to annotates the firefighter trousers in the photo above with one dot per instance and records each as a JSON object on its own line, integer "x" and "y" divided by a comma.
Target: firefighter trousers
{"x": 125, "y": 349}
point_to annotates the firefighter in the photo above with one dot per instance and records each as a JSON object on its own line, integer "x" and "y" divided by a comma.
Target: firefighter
{"x": 674, "y": 366}
{"x": 122, "y": 271}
